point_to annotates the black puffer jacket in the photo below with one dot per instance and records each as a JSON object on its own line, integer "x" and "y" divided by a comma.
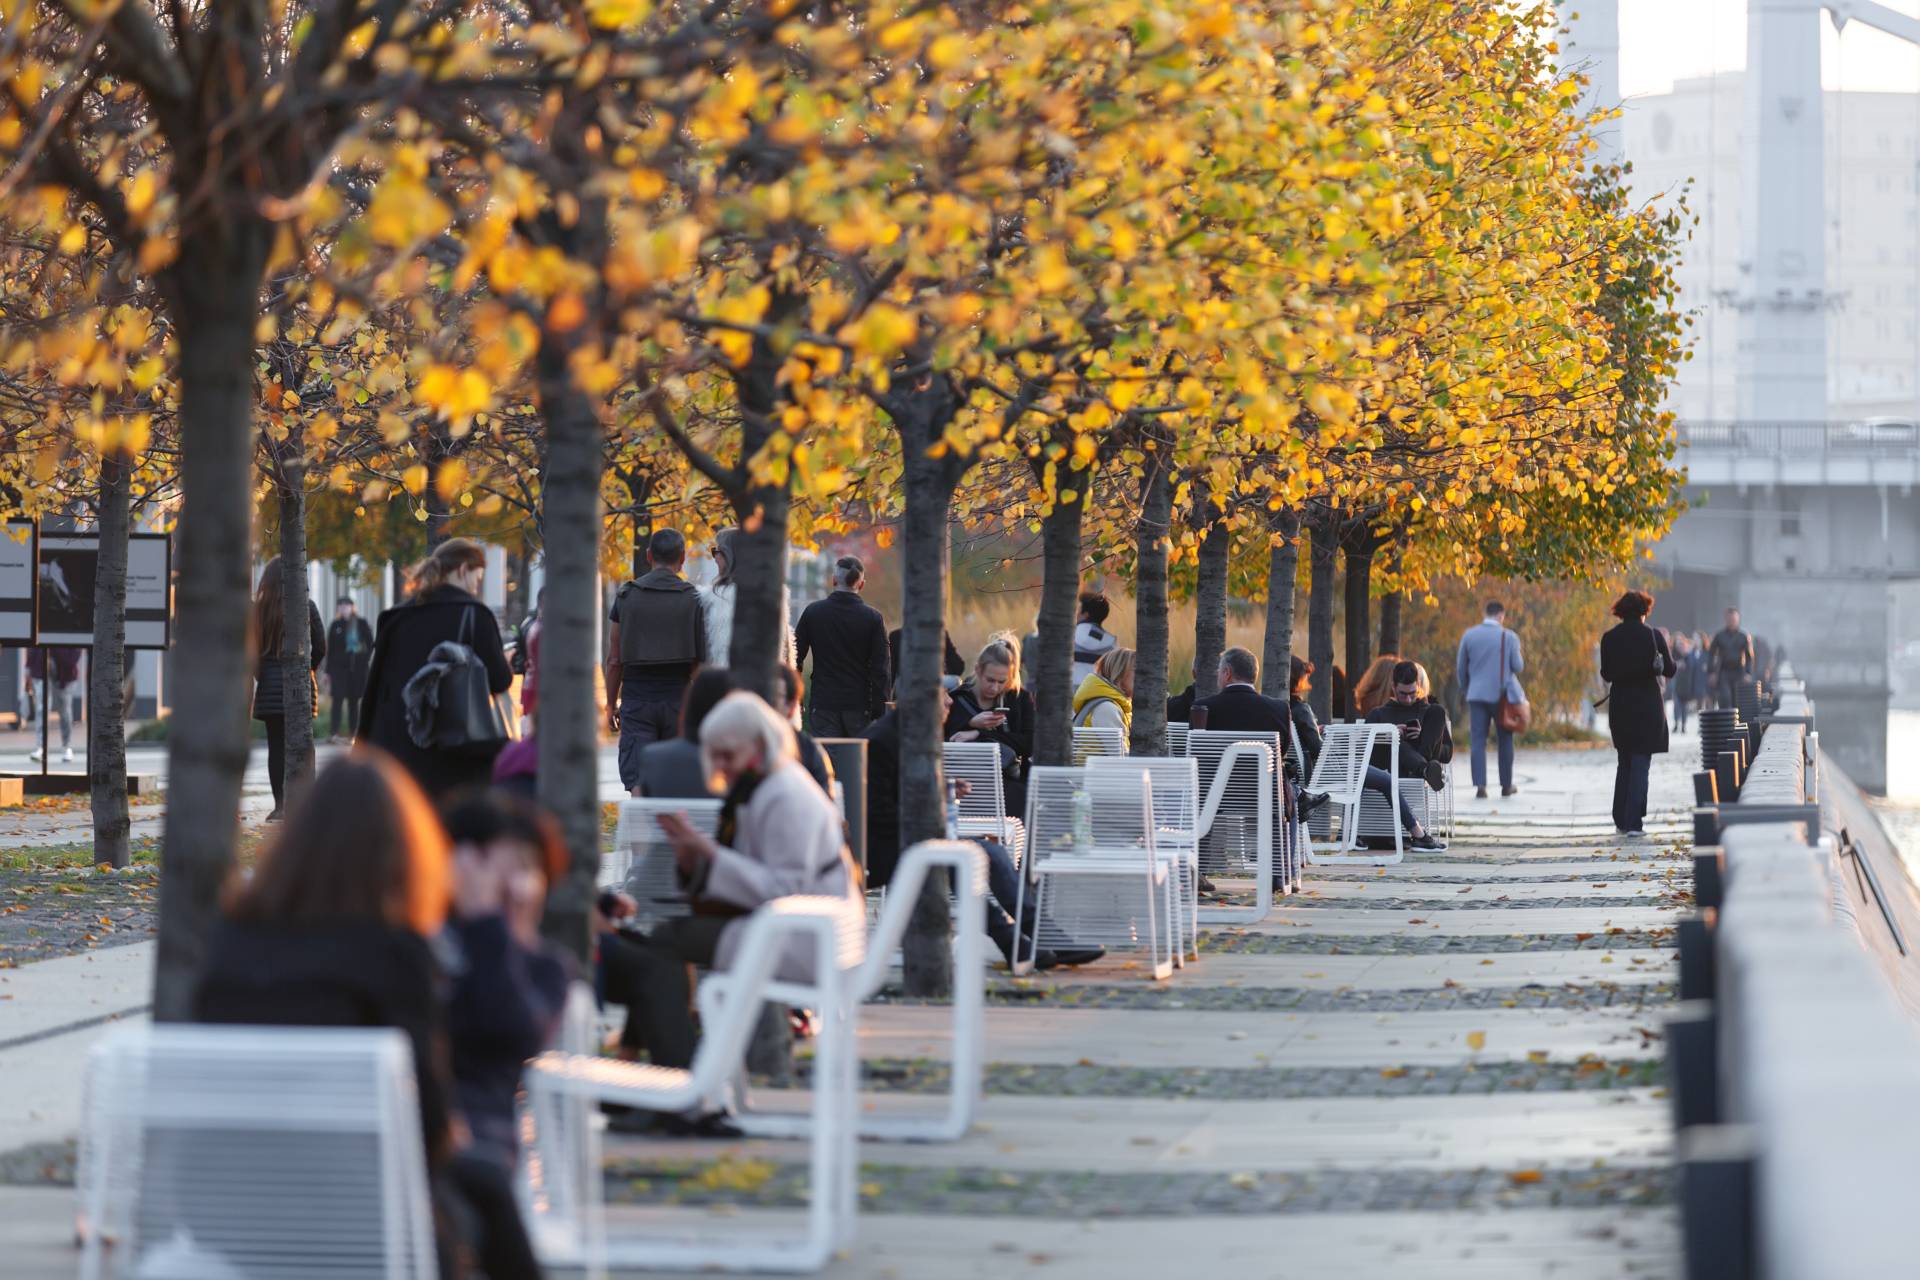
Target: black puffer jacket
{"x": 269, "y": 673}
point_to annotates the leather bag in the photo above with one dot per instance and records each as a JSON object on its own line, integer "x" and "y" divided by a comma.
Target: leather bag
{"x": 1514, "y": 717}
{"x": 448, "y": 702}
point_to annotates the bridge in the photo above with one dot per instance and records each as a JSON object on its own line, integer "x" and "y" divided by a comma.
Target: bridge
{"x": 1781, "y": 514}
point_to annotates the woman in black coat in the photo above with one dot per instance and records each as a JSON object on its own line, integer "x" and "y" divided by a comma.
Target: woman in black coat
{"x": 445, "y": 600}
{"x": 270, "y": 701}
{"x": 992, "y": 707}
{"x": 1633, "y": 660}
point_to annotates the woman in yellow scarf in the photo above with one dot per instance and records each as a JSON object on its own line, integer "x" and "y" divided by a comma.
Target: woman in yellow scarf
{"x": 1104, "y": 699}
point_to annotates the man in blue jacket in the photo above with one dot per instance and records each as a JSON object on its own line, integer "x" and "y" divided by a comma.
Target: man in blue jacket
{"x": 1489, "y": 660}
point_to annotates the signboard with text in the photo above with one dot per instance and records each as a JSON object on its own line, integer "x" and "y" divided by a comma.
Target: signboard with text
{"x": 17, "y": 582}
{"x": 67, "y": 567}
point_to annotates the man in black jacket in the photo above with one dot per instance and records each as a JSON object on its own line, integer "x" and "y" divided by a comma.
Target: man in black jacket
{"x": 1426, "y": 737}
{"x": 848, "y": 640}
{"x": 349, "y": 653}
{"x": 657, "y": 640}
{"x": 1180, "y": 705}
{"x": 1239, "y": 707}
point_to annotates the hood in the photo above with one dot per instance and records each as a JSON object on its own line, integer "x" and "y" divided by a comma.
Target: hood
{"x": 1096, "y": 686}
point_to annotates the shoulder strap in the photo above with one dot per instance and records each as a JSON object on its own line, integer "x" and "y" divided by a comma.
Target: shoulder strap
{"x": 466, "y": 626}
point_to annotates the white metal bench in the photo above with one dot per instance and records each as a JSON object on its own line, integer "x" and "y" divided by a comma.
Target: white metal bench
{"x": 1341, "y": 772}
{"x": 1098, "y": 876}
{"x": 1239, "y": 817}
{"x": 641, "y": 860}
{"x": 983, "y": 810}
{"x": 1176, "y": 817}
{"x": 226, "y": 1151}
{"x": 1090, "y": 740}
{"x": 834, "y": 930}
{"x": 968, "y": 863}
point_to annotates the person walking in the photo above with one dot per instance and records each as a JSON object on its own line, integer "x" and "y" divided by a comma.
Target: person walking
{"x": 349, "y": 652}
{"x": 848, "y": 640}
{"x": 1729, "y": 660}
{"x": 1685, "y": 658}
{"x": 273, "y": 702}
{"x": 657, "y": 640}
{"x": 1486, "y": 669}
{"x": 718, "y": 599}
{"x": 1091, "y": 640}
{"x": 64, "y": 689}
{"x": 1634, "y": 658}
{"x": 444, "y": 607}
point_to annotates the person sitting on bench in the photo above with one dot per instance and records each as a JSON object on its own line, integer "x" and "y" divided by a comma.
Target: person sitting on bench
{"x": 1426, "y": 738}
{"x": 1378, "y": 779}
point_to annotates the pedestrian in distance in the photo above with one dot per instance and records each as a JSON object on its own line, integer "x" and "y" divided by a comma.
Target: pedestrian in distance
{"x": 1091, "y": 640}
{"x": 1634, "y": 659}
{"x": 273, "y": 702}
{"x": 1487, "y": 670}
{"x": 349, "y": 653}
{"x": 1686, "y": 660}
{"x": 443, "y": 607}
{"x": 718, "y": 597}
{"x": 1729, "y": 661}
{"x": 847, "y": 639}
{"x": 657, "y": 641}
{"x": 64, "y": 688}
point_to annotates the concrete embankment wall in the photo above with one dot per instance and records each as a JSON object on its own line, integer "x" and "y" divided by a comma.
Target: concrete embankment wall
{"x": 1868, "y": 856}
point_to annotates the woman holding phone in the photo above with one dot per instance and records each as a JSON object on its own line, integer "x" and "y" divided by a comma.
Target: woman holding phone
{"x": 991, "y": 706}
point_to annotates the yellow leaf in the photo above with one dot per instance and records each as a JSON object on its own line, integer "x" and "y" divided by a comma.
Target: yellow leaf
{"x": 414, "y": 478}
{"x": 1476, "y": 1040}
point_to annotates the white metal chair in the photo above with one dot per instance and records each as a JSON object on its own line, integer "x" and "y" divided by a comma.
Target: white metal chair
{"x": 641, "y": 860}
{"x": 557, "y": 1182}
{"x": 1097, "y": 876}
{"x": 1341, "y": 772}
{"x": 1176, "y": 817}
{"x": 832, "y": 930}
{"x": 983, "y": 810}
{"x": 1177, "y": 738}
{"x": 257, "y": 1152}
{"x": 968, "y": 863}
{"x": 1090, "y": 740}
{"x": 1240, "y": 819}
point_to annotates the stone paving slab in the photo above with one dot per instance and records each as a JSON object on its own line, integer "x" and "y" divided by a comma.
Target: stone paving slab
{"x": 1395, "y": 972}
{"x": 1480, "y": 920}
{"x": 1548, "y": 880}
{"x": 51, "y": 1014}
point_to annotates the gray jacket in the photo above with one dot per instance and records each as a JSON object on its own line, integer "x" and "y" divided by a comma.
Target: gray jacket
{"x": 1478, "y": 669}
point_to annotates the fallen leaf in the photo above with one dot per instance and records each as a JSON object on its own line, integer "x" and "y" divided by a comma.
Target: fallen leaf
{"x": 1521, "y": 1177}
{"x": 1476, "y": 1040}
{"x": 1392, "y": 1073}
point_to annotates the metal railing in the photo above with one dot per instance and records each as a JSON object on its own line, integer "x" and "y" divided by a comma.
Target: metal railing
{"x": 1872, "y": 438}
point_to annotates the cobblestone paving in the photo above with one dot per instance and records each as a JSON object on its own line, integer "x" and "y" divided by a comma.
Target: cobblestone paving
{"x": 1266, "y": 1084}
{"x": 1327, "y": 944}
{"x": 886, "y": 1188}
{"x": 1629, "y": 875}
{"x": 1592, "y": 995}
{"x": 1466, "y": 902}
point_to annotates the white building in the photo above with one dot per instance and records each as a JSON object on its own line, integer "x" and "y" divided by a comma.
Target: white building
{"x": 1873, "y": 231}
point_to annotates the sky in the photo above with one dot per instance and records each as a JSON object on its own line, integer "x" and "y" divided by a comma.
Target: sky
{"x": 1666, "y": 40}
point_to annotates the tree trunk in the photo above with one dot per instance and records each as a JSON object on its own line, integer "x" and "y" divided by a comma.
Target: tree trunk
{"x": 217, "y": 298}
{"x": 759, "y": 644}
{"x": 1149, "y": 736}
{"x": 107, "y": 724}
{"x": 920, "y": 415}
{"x": 1059, "y": 600}
{"x": 1322, "y": 566}
{"x": 1359, "y": 552}
{"x": 1390, "y": 622}
{"x": 1283, "y": 568}
{"x": 440, "y": 446}
{"x": 295, "y": 644}
{"x": 569, "y": 737}
{"x": 1210, "y": 609}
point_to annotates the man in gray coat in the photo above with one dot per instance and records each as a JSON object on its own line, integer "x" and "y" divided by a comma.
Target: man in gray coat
{"x": 1489, "y": 659}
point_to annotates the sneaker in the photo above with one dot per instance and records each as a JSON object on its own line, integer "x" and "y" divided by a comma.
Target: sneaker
{"x": 1079, "y": 955}
{"x": 1479, "y": 793}
{"x": 1436, "y": 775}
{"x": 1208, "y": 886}
{"x": 1426, "y": 843}
{"x": 34, "y": 755}
{"x": 275, "y": 815}
{"x": 67, "y": 755}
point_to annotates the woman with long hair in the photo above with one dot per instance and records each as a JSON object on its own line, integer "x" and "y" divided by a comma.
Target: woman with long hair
{"x": 1104, "y": 699}
{"x": 1376, "y": 685}
{"x": 1634, "y": 659}
{"x": 990, "y": 706}
{"x": 444, "y": 606}
{"x": 271, "y": 705}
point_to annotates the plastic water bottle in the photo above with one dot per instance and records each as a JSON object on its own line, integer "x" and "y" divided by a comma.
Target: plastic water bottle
{"x": 953, "y": 811}
{"x": 1082, "y": 820}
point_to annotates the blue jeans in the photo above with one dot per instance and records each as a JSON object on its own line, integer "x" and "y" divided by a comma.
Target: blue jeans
{"x": 1483, "y": 713}
{"x": 1003, "y": 890}
{"x": 1381, "y": 782}
{"x": 1630, "y": 791}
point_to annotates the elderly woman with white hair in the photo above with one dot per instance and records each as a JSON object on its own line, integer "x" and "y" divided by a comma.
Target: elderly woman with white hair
{"x": 778, "y": 835}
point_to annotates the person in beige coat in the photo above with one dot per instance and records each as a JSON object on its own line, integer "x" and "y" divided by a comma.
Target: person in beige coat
{"x": 779, "y": 835}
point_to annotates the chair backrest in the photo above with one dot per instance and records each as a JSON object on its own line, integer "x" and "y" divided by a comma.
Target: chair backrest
{"x": 968, "y": 863}
{"x": 260, "y": 1151}
{"x": 1344, "y": 754}
{"x": 978, "y": 765}
{"x": 1091, "y": 740}
{"x": 1233, "y": 809}
{"x": 1177, "y": 738}
{"x": 1073, "y": 812}
{"x": 1176, "y": 789}
{"x": 641, "y": 860}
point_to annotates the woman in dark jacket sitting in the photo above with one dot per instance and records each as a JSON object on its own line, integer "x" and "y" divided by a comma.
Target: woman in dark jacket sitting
{"x": 270, "y": 701}
{"x": 992, "y": 707}
{"x": 445, "y": 605}
{"x": 1633, "y": 661}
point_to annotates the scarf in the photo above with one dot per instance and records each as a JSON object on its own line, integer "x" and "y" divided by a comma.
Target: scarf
{"x": 1096, "y": 687}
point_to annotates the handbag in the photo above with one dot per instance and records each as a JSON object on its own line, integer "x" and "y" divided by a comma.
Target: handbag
{"x": 1513, "y": 717}
{"x": 448, "y": 701}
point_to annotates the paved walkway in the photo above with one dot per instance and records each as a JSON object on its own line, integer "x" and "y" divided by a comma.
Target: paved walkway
{"x": 1445, "y": 1068}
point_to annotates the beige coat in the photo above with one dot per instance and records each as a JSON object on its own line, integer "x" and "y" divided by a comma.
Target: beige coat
{"x": 787, "y": 840}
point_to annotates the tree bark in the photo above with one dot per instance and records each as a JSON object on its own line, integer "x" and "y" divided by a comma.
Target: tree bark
{"x": 216, "y": 297}
{"x": 1322, "y": 567}
{"x": 295, "y": 644}
{"x": 569, "y": 737}
{"x": 1149, "y": 737}
{"x": 1390, "y": 622}
{"x": 1283, "y": 568}
{"x": 440, "y": 445}
{"x": 1358, "y": 545}
{"x": 1210, "y": 608}
{"x": 107, "y": 725}
{"x": 640, "y": 491}
{"x": 759, "y": 645}
{"x": 1059, "y": 600}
